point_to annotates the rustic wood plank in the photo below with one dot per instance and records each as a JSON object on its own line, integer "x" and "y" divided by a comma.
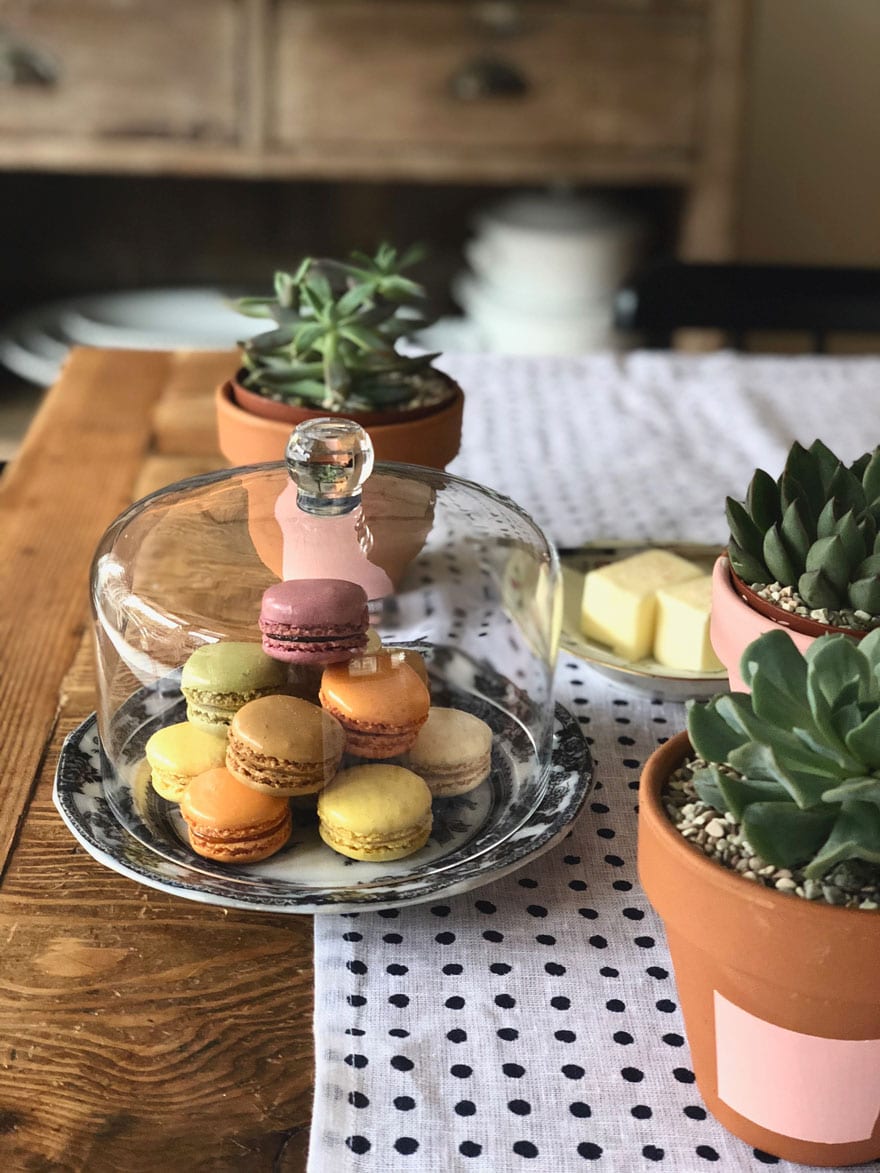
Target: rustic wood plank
{"x": 184, "y": 421}
{"x": 139, "y": 1029}
{"x": 75, "y": 472}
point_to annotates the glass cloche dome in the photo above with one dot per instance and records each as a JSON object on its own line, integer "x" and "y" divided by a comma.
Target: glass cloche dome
{"x": 458, "y": 582}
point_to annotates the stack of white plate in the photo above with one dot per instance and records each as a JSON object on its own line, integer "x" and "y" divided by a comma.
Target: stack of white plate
{"x": 543, "y": 272}
{"x": 34, "y": 344}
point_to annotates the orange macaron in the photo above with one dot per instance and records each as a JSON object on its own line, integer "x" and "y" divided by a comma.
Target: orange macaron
{"x": 231, "y": 823}
{"x": 379, "y": 700}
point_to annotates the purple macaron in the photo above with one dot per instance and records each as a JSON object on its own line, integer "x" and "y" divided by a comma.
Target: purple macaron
{"x": 314, "y": 620}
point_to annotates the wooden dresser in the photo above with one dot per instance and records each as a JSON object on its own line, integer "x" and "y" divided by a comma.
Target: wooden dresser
{"x": 641, "y": 93}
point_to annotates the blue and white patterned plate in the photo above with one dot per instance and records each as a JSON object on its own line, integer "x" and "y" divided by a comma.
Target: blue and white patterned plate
{"x": 306, "y": 877}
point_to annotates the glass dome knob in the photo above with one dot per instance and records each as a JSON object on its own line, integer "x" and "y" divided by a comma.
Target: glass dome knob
{"x": 329, "y": 460}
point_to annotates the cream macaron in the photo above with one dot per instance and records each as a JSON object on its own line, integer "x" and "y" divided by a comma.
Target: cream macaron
{"x": 453, "y": 752}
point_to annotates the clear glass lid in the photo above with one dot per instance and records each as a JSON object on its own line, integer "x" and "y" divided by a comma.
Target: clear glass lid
{"x": 452, "y": 572}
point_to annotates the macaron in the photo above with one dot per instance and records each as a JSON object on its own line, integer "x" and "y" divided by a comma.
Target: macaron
{"x": 219, "y": 678}
{"x": 231, "y": 823}
{"x": 453, "y": 752}
{"x": 177, "y": 753}
{"x": 379, "y": 700}
{"x": 284, "y": 745}
{"x": 314, "y": 620}
{"x": 375, "y": 812}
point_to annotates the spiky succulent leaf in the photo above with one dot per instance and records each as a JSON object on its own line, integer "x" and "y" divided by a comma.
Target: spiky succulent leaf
{"x": 745, "y": 532}
{"x": 762, "y": 500}
{"x": 818, "y": 591}
{"x": 802, "y": 477}
{"x": 864, "y": 595}
{"x": 816, "y": 498}
{"x": 795, "y": 534}
{"x": 777, "y": 557}
{"x": 829, "y": 557}
{"x": 870, "y": 477}
{"x": 347, "y": 317}
{"x": 847, "y": 529}
{"x": 750, "y": 569}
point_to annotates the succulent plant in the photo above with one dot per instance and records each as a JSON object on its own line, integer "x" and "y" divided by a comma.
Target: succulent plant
{"x": 797, "y": 761}
{"x": 815, "y": 529}
{"x": 337, "y": 326}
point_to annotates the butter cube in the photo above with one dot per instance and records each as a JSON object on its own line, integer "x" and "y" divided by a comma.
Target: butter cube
{"x": 619, "y": 600}
{"x": 681, "y": 635}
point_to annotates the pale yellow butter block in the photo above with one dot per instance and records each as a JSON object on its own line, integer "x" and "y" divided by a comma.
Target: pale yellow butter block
{"x": 681, "y": 634}
{"x": 619, "y": 600}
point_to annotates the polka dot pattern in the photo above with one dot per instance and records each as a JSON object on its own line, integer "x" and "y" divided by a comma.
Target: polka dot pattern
{"x": 539, "y": 1026}
{"x": 534, "y": 1023}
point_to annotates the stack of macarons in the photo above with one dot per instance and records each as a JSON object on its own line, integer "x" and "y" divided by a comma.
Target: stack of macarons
{"x": 250, "y": 745}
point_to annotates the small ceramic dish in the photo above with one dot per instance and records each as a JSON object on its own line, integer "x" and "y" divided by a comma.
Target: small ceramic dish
{"x": 646, "y": 676}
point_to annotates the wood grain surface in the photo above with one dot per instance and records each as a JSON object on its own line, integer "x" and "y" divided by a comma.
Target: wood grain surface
{"x": 138, "y": 1031}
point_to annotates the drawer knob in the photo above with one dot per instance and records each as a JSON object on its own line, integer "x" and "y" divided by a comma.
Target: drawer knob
{"x": 23, "y": 65}
{"x": 488, "y": 77}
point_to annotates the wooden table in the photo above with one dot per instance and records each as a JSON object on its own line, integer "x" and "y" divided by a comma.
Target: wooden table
{"x": 139, "y": 1031}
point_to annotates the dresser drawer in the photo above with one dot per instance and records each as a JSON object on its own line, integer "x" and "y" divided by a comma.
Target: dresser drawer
{"x": 131, "y": 69}
{"x": 435, "y": 75}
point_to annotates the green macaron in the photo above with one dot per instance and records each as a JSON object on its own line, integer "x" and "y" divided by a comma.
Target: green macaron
{"x": 219, "y": 678}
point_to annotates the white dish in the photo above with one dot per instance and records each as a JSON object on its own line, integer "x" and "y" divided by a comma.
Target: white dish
{"x": 322, "y": 881}
{"x": 669, "y": 684}
{"x": 156, "y": 319}
{"x": 34, "y": 344}
{"x": 514, "y": 330}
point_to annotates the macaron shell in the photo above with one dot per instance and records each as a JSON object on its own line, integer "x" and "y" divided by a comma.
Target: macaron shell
{"x": 242, "y": 851}
{"x": 377, "y": 812}
{"x": 379, "y": 700}
{"x": 453, "y": 752}
{"x": 219, "y": 678}
{"x": 231, "y": 823}
{"x": 314, "y": 621}
{"x": 179, "y": 752}
{"x": 216, "y": 803}
{"x": 304, "y": 603}
{"x": 351, "y": 845}
{"x": 284, "y": 745}
{"x": 230, "y": 667}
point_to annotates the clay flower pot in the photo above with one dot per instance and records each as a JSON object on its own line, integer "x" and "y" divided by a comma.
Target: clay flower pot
{"x": 252, "y": 429}
{"x": 780, "y": 995}
{"x": 739, "y": 616}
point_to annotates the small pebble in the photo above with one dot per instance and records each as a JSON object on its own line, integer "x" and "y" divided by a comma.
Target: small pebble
{"x": 853, "y": 884}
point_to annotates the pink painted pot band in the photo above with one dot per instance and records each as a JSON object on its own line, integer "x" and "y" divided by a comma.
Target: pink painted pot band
{"x": 802, "y": 1086}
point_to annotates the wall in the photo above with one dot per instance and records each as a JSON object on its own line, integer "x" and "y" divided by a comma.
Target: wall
{"x": 811, "y": 183}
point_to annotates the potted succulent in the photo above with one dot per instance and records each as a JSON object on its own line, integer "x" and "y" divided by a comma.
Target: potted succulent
{"x": 804, "y": 553}
{"x": 759, "y": 846}
{"x": 333, "y": 351}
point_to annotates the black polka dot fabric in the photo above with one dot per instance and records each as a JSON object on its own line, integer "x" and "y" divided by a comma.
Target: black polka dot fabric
{"x": 532, "y": 1022}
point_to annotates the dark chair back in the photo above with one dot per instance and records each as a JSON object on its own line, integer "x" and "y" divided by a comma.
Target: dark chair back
{"x": 739, "y": 298}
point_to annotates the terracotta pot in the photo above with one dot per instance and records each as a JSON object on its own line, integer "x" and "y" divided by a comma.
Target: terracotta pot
{"x": 425, "y": 436}
{"x": 733, "y": 624}
{"x": 780, "y": 996}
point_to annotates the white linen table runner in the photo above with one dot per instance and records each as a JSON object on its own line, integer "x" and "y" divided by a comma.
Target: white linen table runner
{"x": 533, "y": 1023}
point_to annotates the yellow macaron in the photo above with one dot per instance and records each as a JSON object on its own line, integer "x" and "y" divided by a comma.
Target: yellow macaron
{"x": 377, "y": 812}
{"x": 177, "y": 753}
